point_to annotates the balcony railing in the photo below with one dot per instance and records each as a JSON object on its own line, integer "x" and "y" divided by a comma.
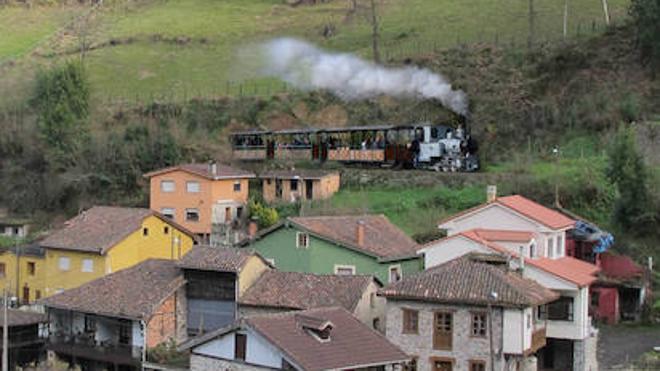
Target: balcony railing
{"x": 83, "y": 346}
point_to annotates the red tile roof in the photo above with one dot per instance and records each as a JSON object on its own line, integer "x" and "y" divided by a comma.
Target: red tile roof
{"x": 134, "y": 292}
{"x": 204, "y": 170}
{"x": 524, "y": 206}
{"x": 620, "y": 267}
{"x": 382, "y": 239}
{"x": 470, "y": 280}
{"x": 293, "y": 290}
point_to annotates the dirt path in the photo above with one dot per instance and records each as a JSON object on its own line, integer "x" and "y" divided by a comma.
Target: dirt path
{"x": 619, "y": 346}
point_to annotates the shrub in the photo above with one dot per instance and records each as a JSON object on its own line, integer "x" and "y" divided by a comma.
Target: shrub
{"x": 265, "y": 216}
{"x": 646, "y": 18}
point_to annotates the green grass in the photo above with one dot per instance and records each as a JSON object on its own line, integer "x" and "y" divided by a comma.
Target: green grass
{"x": 218, "y": 29}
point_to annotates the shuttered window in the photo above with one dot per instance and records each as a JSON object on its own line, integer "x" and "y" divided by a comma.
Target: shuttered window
{"x": 442, "y": 331}
{"x": 410, "y": 321}
{"x": 240, "y": 343}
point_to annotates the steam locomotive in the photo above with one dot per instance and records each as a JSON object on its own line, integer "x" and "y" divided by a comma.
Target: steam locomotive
{"x": 423, "y": 146}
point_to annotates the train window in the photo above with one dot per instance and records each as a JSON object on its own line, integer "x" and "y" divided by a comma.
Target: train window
{"x": 434, "y": 133}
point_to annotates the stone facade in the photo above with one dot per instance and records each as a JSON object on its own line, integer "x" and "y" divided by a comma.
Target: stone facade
{"x": 205, "y": 363}
{"x": 465, "y": 348}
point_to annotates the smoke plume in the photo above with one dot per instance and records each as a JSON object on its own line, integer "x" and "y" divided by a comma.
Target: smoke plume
{"x": 349, "y": 77}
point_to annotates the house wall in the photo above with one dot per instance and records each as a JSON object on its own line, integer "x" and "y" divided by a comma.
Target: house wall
{"x": 328, "y": 186}
{"x": 252, "y": 270}
{"x": 449, "y": 249}
{"x": 322, "y": 256}
{"x": 464, "y": 346}
{"x": 14, "y": 230}
{"x": 259, "y": 352}
{"x": 180, "y": 199}
{"x": 517, "y": 336}
{"x": 322, "y": 188}
{"x": 608, "y": 304}
{"x": 57, "y": 279}
{"x": 205, "y": 363}
{"x": 163, "y": 326}
{"x": 371, "y": 307}
{"x": 36, "y": 282}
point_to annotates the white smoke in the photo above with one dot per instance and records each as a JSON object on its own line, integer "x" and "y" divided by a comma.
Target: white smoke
{"x": 349, "y": 77}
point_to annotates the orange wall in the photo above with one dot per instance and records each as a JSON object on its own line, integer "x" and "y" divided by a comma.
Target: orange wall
{"x": 162, "y": 325}
{"x": 210, "y": 191}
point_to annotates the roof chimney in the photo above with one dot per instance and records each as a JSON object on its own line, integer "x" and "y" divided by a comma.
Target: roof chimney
{"x": 359, "y": 233}
{"x": 491, "y": 193}
{"x": 213, "y": 167}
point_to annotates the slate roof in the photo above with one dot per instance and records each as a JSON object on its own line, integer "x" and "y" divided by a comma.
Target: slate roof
{"x": 16, "y": 317}
{"x": 382, "y": 239}
{"x": 298, "y": 173}
{"x": 524, "y": 206}
{"x": 352, "y": 343}
{"x": 217, "y": 259}
{"x": 203, "y": 170}
{"x": 100, "y": 228}
{"x": 467, "y": 280}
{"x": 133, "y": 293}
{"x": 292, "y": 290}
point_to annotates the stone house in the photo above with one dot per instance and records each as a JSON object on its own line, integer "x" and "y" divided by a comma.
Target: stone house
{"x": 466, "y": 314}
{"x": 298, "y": 185}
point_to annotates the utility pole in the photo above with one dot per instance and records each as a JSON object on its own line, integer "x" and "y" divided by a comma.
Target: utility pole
{"x": 5, "y": 334}
{"x": 493, "y": 297}
{"x": 606, "y": 12}
{"x": 375, "y": 32}
{"x": 555, "y": 151}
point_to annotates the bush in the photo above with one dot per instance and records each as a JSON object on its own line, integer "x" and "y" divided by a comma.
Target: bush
{"x": 265, "y": 216}
{"x": 646, "y": 18}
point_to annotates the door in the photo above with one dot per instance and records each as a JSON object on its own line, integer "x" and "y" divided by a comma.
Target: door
{"x": 26, "y": 294}
{"x": 278, "y": 188}
{"x": 309, "y": 189}
{"x": 441, "y": 364}
{"x": 443, "y": 331}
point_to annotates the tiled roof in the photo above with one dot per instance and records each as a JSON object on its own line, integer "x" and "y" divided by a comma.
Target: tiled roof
{"x": 524, "y": 206}
{"x": 97, "y": 229}
{"x": 16, "y": 317}
{"x": 292, "y": 290}
{"x": 382, "y": 239}
{"x": 218, "y": 259}
{"x": 351, "y": 343}
{"x": 620, "y": 267}
{"x": 299, "y": 173}
{"x": 204, "y": 170}
{"x": 133, "y": 293}
{"x": 466, "y": 280}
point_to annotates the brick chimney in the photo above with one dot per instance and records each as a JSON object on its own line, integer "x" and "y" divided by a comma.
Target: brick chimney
{"x": 359, "y": 233}
{"x": 491, "y": 193}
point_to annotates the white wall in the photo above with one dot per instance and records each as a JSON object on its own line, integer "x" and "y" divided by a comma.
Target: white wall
{"x": 448, "y": 249}
{"x": 513, "y": 331}
{"x": 371, "y": 306}
{"x": 258, "y": 352}
{"x": 493, "y": 216}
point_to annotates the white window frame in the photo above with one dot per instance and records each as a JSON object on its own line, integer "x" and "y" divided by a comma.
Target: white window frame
{"x": 167, "y": 181}
{"x": 342, "y": 266}
{"x": 190, "y": 183}
{"x": 189, "y": 210}
{"x": 240, "y": 186}
{"x": 298, "y": 245}
{"x": 550, "y": 247}
{"x": 389, "y": 272}
{"x": 561, "y": 245}
{"x": 164, "y": 211}
{"x": 87, "y": 266}
{"x": 64, "y": 263}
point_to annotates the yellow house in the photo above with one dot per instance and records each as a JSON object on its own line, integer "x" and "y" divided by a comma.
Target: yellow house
{"x": 23, "y": 272}
{"x": 106, "y": 239}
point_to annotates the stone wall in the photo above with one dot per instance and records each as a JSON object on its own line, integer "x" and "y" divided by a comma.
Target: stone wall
{"x": 203, "y": 363}
{"x": 465, "y": 348}
{"x": 354, "y": 177}
{"x": 585, "y": 354}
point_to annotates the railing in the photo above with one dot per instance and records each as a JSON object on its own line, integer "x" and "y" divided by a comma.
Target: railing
{"x": 83, "y": 346}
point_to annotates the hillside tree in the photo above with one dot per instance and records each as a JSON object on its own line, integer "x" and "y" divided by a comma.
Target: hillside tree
{"x": 646, "y": 18}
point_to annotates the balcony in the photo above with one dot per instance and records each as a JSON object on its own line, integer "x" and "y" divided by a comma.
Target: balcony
{"x": 82, "y": 346}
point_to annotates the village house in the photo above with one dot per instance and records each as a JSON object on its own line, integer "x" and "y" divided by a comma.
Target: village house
{"x": 13, "y": 227}
{"x": 345, "y": 245}
{"x": 277, "y": 291}
{"x": 298, "y": 185}
{"x": 204, "y": 198}
{"x": 215, "y": 278}
{"x": 23, "y": 272}
{"x": 465, "y": 314}
{"x": 106, "y": 239}
{"x": 535, "y": 238}
{"x": 112, "y": 322}
{"x": 25, "y": 337}
{"x": 313, "y": 339}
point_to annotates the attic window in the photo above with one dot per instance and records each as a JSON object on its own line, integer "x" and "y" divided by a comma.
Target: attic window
{"x": 318, "y": 328}
{"x": 145, "y": 231}
{"x": 302, "y": 240}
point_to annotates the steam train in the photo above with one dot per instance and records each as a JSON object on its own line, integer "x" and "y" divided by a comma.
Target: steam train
{"x": 424, "y": 146}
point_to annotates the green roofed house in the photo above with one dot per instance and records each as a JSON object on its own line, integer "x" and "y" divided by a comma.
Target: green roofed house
{"x": 350, "y": 244}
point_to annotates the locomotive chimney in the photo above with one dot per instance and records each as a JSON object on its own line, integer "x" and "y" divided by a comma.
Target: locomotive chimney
{"x": 359, "y": 231}
{"x": 491, "y": 193}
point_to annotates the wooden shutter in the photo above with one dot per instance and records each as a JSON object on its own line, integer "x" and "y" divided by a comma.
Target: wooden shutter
{"x": 442, "y": 331}
{"x": 240, "y": 343}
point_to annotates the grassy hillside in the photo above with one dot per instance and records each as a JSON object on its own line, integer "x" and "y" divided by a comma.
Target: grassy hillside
{"x": 178, "y": 49}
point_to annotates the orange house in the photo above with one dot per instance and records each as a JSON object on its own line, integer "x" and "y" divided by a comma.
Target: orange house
{"x": 199, "y": 195}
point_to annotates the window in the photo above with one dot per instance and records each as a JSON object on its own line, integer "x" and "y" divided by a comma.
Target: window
{"x": 167, "y": 185}
{"x": 125, "y": 333}
{"x": 166, "y": 230}
{"x": 479, "y": 324}
{"x": 410, "y": 321}
{"x": 532, "y": 250}
{"x": 192, "y": 215}
{"x": 477, "y": 366}
{"x": 561, "y": 309}
{"x": 560, "y": 246}
{"x": 595, "y": 299}
{"x": 167, "y": 212}
{"x": 64, "y": 263}
{"x": 375, "y": 323}
{"x": 410, "y": 366}
{"x": 442, "y": 331}
{"x": 549, "y": 247}
{"x": 294, "y": 185}
{"x": 302, "y": 240}
{"x": 192, "y": 187}
{"x": 541, "y": 312}
{"x": 37, "y": 294}
{"x": 88, "y": 265}
{"x": 237, "y": 186}
{"x": 442, "y": 364}
{"x": 345, "y": 270}
{"x": 31, "y": 268}
{"x": 90, "y": 324}
{"x": 145, "y": 231}
{"x": 239, "y": 211}
{"x": 395, "y": 273}
{"x": 240, "y": 343}
{"x": 2, "y": 269}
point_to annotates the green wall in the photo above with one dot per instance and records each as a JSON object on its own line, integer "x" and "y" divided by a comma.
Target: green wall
{"x": 322, "y": 256}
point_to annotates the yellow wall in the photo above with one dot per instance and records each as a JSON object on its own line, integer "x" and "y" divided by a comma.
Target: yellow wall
{"x": 35, "y": 282}
{"x": 132, "y": 250}
{"x": 251, "y": 271}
